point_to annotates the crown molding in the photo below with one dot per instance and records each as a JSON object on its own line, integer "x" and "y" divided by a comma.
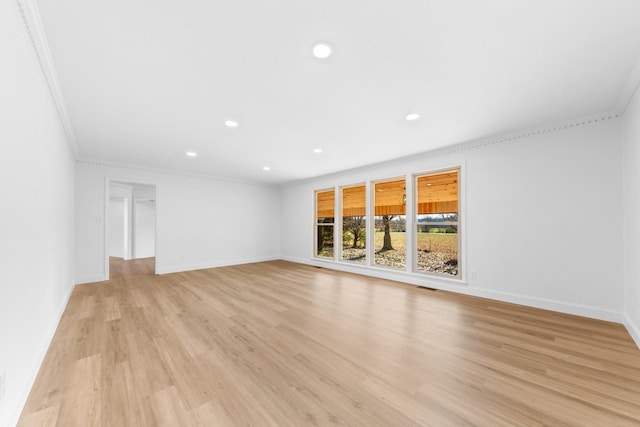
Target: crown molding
{"x": 425, "y": 155}
{"x": 476, "y": 144}
{"x": 171, "y": 172}
{"x": 28, "y": 11}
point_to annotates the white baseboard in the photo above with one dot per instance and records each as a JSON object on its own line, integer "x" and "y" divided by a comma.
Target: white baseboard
{"x": 91, "y": 279}
{"x": 463, "y": 288}
{"x": 580, "y": 310}
{"x": 436, "y": 283}
{"x": 633, "y": 328}
{"x": 549, "y": 304}
{"x": 180, "y": 268}
{"x": 21, "y": 398}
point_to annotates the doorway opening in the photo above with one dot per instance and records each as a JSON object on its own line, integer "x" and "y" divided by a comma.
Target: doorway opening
{"x": 130, "y": 240}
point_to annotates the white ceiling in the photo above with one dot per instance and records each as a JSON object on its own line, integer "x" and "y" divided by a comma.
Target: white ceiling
{"x": 145, "y": 81}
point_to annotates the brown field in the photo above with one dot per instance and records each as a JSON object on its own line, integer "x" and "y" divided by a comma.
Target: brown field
{"x": 432, "y": 242}
{"x": 437, "y": 252}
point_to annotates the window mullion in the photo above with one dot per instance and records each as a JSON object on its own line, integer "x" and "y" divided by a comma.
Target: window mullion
{"x": 370, "y": 224}
{"x": 410, "y": 231}
{"x": 337, "y": 225}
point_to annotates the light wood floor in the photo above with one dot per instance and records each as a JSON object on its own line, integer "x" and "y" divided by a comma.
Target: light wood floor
{"x": 119, "y": 268}
{"x": 281, "y": 344}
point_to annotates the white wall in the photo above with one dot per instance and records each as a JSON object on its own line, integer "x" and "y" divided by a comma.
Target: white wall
{"x": 543, "y": 218}
{"x": 116, "y": 228}
{"x": 201, "y": 222}
{"x": 631, "y": 165}
{"x": 36, "y": 215}
{"x": 144, "y": 228}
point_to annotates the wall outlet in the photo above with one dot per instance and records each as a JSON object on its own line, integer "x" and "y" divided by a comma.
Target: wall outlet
{"x": 474, "y": 275}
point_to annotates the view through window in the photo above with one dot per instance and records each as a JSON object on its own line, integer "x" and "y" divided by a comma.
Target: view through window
{"x": 434, "y": 222}
{"x": 437, "y": 223}
{"x": 354, "y": 224}
{"x": 325, "y": 206}
{"x": 390, "y": 240}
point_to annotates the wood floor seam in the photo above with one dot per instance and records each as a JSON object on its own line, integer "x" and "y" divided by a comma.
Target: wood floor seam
{"x": 283, "y": 344}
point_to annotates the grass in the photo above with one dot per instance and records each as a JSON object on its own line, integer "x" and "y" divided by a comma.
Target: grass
{"x": 438, "y": 242}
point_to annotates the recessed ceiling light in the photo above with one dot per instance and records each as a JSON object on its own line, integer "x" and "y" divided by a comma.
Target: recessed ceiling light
{"x": 317, "y": 150}
{"x": 321, "y": 50}
{"x": 266, "y": 168}
{"x": 413, "y": 116}
{"x": 231, "y": 123}
{"x": 192, "y": 153}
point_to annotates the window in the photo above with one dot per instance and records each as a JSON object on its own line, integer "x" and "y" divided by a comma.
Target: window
{"x": 390, "y": 199}
{"x": 354, "y": 224}
{"x": 372, "y": 224}
{"x": 437, "y": 222}
{"x": 325, "y": 206}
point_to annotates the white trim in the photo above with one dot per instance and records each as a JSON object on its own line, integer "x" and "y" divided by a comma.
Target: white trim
{"x": 106, "y": 224}
{"x": 314, "y": 249}
{"x": 472, "y": 145}
{"x": 28, "y": 11}
{"x": 157, "y": 228}
{"x": 340, "y": 218}
{"x": 382, "y": 272}
{"x": 410, "y": 180}
{"x": 370, "y": 244}
{"x": 181, "y": 268}
{"x": 91, "y": 279}
{"x": 455, "y": 285}
{"x": 460, "y": 167}
{"x": 18, "y": 404}
{"x": 411, "y": 237}
{"x": 371, "y": 228}
{"x": 159, "y": 171}
{"x": 632, "y": 328}
{"x": 108, "y": 180}
{"x": 337, "y": 224}
{"x": 549, "y": 304}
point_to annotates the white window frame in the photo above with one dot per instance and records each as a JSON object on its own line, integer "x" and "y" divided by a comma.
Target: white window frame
{"x": 371, "y": 229}
{"x": 316, "y": 224}
{"x": 410, "y": 272}
{"x": 460, "y": 223}
{"x": 340, "y": 225}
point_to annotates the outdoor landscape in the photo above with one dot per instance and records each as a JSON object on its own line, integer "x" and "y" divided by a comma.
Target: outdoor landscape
{"x": 437, "y": 252}
{"x": 437, "y": 245}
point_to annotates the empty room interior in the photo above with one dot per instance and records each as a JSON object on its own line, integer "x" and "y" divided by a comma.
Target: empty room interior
{"x": 296, "y": 213}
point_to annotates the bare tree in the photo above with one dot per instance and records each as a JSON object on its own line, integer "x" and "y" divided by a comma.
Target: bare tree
{"x": 356, "y": 226}
{"x": 386, "y": 243}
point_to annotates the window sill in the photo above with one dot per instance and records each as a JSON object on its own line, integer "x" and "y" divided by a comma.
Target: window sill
{"x": 414, "y": 278}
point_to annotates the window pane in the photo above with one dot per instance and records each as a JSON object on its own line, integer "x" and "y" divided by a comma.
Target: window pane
{"x": 325, "y": 204}
{"x": 437, "y": 223}
{"x": 325, "y": 241}
{"x": 354, "y": 224}
{"x": 390, "y": 223}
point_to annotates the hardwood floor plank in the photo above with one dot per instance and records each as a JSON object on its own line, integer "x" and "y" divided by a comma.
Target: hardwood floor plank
{"x": 283, "y": 344}
{"x": 44, "y": 418}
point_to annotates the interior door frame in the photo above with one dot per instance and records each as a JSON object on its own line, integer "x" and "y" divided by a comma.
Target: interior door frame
{"x": 107, "y": 197}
